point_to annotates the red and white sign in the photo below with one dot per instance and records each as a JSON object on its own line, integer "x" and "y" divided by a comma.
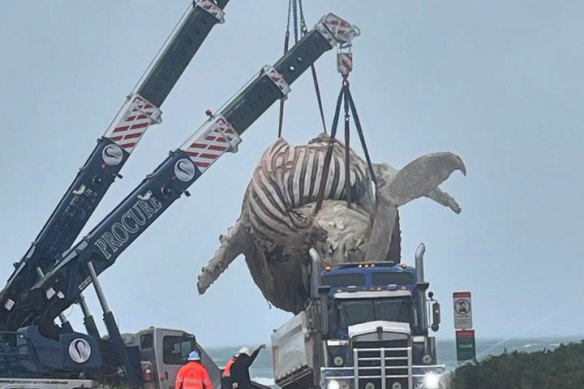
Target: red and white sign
{"x": 465, "y": 345}
{"x": 462, "y": 310}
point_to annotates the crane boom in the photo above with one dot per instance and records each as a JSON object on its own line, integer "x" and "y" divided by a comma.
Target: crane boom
{"x": 61, "y": 287}
{"x": 141, "y": 109}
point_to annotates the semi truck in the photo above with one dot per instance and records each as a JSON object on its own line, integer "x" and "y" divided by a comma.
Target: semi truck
{"x": 36, "y": 350}
{"x": 366, "y": 326}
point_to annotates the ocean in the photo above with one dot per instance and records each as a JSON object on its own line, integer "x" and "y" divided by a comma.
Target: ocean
{"x": 261, "y": 370}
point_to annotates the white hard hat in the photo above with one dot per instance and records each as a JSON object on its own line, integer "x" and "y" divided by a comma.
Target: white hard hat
{"x": 244, "y": 350}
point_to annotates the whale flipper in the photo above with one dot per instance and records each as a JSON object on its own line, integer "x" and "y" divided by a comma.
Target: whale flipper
{"x": 234, "y": 243}
{"x": 420, "y": 177}
{"x": 423, "y": 175}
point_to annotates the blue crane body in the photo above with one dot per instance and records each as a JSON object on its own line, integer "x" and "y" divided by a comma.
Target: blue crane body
{"x": 94, "y": 178}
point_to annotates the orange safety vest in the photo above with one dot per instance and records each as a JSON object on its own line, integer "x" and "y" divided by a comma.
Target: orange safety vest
{"x": 193, "y": 375}
{"x": 227, "y": 368}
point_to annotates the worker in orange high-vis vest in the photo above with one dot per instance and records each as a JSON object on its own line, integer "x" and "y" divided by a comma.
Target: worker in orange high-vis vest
{"x": 193, "y": 375}
{"x": 226, "y": 380}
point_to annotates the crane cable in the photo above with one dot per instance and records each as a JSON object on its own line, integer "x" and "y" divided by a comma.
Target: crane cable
{"x": 294, "y": 9}
{"x": 286, "y": 43}
{"x": 295, "y": 12}
{"x": 304, "y": 30}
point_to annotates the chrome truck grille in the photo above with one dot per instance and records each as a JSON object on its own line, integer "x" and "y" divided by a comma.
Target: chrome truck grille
{"x": 379, "y": 365}
{"x": 385, "y": 364}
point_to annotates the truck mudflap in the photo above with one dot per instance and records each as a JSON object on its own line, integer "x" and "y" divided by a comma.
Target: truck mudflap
{"x": 383, "y": 368}
{"x": 40, "y": 383}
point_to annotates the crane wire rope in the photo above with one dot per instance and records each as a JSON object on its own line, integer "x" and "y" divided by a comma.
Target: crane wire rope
{"x": 295, "y": 9}
{"x": 286, "y": 43}
{"x": 304, "y": 30}
{"x": 295, "y": 14}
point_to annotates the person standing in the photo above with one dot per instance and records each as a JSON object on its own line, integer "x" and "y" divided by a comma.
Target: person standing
{"x": 193, "y": 374}
{"x": 226, "y": 380}
{"x": 239, "y": 368}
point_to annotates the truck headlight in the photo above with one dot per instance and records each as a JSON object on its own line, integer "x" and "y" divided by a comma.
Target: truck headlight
{"x": 333, "y": 384}
{"x": 431, "y": 380}
{"x": 338, "y": 360}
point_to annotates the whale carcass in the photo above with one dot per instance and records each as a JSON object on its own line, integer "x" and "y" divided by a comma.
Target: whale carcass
{"x": 278, "y": 223}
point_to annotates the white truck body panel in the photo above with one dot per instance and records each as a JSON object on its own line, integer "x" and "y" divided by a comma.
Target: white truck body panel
{"x": 292, "y": 348}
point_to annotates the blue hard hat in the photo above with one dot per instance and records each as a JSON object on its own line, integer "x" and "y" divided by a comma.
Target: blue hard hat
{"x": 194, "y": 356}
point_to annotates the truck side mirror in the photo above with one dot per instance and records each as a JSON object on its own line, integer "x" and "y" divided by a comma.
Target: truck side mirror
{"x": 435, "y": 316}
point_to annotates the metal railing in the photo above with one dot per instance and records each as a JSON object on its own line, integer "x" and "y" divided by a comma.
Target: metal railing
{"x": 387, "y": 371}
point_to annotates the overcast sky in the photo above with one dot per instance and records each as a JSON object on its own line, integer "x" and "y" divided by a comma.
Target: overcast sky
{"x": 497, "y": 82}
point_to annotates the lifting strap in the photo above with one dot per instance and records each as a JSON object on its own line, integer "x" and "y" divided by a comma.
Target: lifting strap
{"x": 346, "y": 98}
{"x": 329, "y": 153}
{"x": 347, "y": 148}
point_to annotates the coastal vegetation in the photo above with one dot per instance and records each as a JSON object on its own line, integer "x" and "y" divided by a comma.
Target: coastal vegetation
{"x": 560, "y": 368}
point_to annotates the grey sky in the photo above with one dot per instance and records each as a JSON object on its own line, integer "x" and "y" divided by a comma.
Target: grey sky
{"x": 497, "y": 82}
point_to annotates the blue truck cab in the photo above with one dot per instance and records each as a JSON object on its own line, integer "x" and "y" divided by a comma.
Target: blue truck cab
{"x": 377, "y": 334}
{"x": 354, "y": 295}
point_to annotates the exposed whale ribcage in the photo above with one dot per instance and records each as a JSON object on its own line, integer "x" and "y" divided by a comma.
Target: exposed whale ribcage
{"x": 288, "y": 178}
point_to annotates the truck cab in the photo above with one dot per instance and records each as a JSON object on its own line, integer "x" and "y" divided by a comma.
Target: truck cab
{"x": 361, "y": 293}
{"x": 370, "y": 325}
{"x": 376, "y": 328}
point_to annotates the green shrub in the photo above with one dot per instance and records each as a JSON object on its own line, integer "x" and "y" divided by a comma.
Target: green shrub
{"x": 561, "y": 368}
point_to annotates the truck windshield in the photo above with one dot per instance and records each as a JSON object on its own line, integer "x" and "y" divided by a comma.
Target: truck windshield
{"x": 361, "y": 311}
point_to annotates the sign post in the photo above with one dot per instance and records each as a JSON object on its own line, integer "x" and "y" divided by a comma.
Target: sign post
{"x": 465, "y": 335}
